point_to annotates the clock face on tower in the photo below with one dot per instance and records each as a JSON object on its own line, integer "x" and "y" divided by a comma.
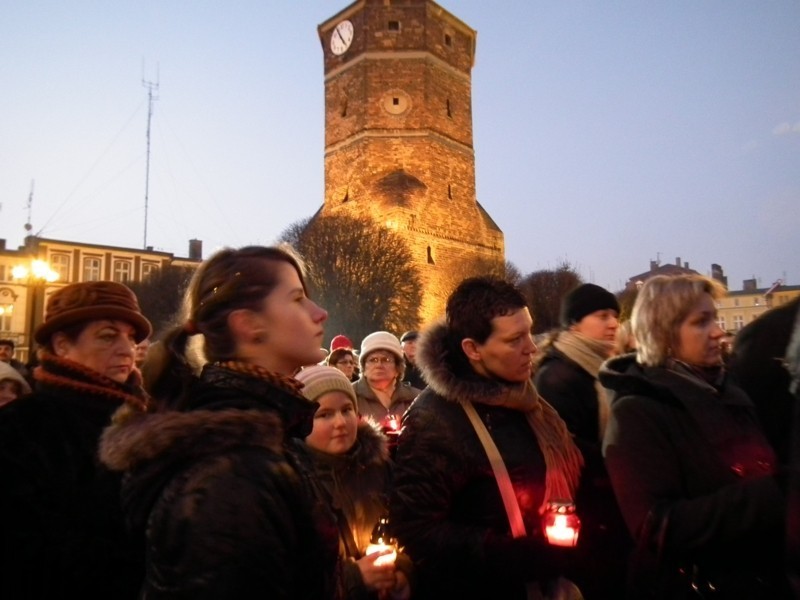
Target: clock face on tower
{"x": 342, "y": 37}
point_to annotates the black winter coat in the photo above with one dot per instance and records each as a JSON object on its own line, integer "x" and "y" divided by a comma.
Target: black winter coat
{"x": 695, "y": 479}
{"x": 221, "y": 503}
{"x": 757, "y": 364}
{"x": 62, "y": 530}
{"x": 446, "y": 506}
{"x": 353, "y": 488}
{"x": 605, "y": 543}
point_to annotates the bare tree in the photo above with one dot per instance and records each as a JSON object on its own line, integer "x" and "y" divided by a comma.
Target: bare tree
{"x": 160, "y": 295}
{"x": 360, "y": 272}
{"x": 544, "y": 291}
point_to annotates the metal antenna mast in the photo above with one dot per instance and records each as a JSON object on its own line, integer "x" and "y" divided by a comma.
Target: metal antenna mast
{"x": 29, "y": 206}
{"x": 152, "y": 86}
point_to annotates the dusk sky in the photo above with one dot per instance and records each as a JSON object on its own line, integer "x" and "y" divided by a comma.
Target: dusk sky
{"x": 607, "y": 134}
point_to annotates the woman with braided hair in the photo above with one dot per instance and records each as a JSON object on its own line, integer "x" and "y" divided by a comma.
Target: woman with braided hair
{"x": 209, "y": 484}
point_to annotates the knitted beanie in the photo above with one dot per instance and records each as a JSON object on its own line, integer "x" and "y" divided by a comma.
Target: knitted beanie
{"x": 584, "y": 300}
{"x": 380, "y": 340}
{"x": 341, "y": 341}
{"x": 318, "y": 380}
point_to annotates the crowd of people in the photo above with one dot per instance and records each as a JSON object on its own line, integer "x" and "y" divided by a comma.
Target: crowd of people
{"x": 235, "y": 457}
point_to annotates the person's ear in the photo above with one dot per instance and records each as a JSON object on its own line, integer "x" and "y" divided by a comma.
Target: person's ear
{"x": 471, "y": 348}
{"x": 61, "y": 344}
{"x": 246, "y": 326}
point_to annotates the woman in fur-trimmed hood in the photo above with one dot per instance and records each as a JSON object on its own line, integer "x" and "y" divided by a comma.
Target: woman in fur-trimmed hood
{"x": 219, "y": 503}
{"x": 446, "y": 507}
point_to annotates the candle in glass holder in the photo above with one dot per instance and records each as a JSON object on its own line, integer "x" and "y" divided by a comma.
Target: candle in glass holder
{"x": 561, "y": 524}
{"x": 381, "y": 540}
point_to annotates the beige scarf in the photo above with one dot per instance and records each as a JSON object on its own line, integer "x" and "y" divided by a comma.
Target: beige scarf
{"x": 589, "y": 354}
{"x": 561, "y": 455}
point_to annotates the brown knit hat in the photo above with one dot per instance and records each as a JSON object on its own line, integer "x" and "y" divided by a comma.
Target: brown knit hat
{"x": 92, "y": 301}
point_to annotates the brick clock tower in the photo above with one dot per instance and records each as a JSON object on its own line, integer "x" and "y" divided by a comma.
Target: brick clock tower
{"x": 398, "y": 136}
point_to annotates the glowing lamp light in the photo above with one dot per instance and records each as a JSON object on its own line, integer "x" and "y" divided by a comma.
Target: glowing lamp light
{"x": 40, "y": 271}
{"x": 380, "y": 541}
{"x": 561, "y": 524}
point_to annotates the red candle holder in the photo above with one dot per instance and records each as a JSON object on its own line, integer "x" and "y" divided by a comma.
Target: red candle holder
{"x": 561, "y": 524}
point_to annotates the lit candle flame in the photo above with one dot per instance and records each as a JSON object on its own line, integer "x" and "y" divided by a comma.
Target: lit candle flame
{"x": 386, "y": 559}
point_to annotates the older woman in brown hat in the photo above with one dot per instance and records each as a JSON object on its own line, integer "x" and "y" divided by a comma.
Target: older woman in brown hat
{"x": 61, "y": 520}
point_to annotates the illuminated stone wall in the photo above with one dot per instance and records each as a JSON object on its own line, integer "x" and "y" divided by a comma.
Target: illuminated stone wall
{"x": 398, "y": 137}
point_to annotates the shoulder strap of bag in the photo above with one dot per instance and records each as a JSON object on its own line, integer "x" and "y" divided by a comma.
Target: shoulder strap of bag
{"x": 500, "y": 472}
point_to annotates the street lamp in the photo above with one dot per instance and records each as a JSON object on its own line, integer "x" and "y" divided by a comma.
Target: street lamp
{"x": 34, "y": 278}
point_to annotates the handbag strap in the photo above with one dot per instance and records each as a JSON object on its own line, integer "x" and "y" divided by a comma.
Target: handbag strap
{"x": 500, "y": 472}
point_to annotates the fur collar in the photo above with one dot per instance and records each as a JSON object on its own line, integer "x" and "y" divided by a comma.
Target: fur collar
{"x": 371, "y": 449}
{"x": 135, "y": 438}
{"x": 449, "y": 374}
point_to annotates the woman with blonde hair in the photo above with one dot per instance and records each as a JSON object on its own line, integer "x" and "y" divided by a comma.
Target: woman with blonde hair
{"x": 696, "y": 479}
{"x": 210, "y": 487}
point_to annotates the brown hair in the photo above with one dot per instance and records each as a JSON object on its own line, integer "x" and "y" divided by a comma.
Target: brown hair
{"x": 231, "y": 279}
{"x": 338, "y": 355}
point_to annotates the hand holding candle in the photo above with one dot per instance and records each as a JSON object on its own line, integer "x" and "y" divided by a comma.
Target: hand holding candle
{"x": 381, "y": 541}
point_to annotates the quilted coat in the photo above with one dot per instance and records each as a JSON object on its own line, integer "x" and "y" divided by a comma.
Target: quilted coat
{"x": 216, "y": 497}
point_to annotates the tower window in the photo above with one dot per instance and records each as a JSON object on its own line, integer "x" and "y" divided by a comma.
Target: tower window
{"x": 449, "y": 191}
{"x": 346, "y": 196}
{"x": 448, "y": 41}
{"x": 396, "y": 101}
{"x": 344, "y": 107}
{"x": 430, "y": 257}
{"x": 449, "y": 110}
{"x": 394, "y": 26}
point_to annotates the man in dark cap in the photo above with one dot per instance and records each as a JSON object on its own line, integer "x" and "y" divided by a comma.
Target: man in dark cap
{"x": 413, "y": 375}
{"x": 567, "y": 377}
{"x": 60, "y": 514}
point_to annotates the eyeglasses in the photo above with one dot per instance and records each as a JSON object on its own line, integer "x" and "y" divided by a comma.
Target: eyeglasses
{"x": 374, "y": 360}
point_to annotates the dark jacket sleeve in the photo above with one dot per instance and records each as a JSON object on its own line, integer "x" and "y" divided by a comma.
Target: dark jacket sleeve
{"x": 231, "y": 528}
{"x": 646, "y": 472}
{"x": 570, "y": 390}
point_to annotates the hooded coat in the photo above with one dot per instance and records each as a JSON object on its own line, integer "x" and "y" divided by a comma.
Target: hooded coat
{"x": 353, "y": 488}
{"x": 446, "y": 507}
{"x": 696, "y": 482}
{"x": 62, "y": 530}
{"x": 218, "y": 501}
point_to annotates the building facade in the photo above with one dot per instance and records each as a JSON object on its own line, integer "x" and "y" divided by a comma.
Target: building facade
{"x": 740, "y": 307}
{"x": 23, "y": 294}
{"x": 398, "y": 136}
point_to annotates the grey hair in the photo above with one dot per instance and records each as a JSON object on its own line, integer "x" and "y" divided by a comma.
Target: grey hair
{"x": 661, "y": 306}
